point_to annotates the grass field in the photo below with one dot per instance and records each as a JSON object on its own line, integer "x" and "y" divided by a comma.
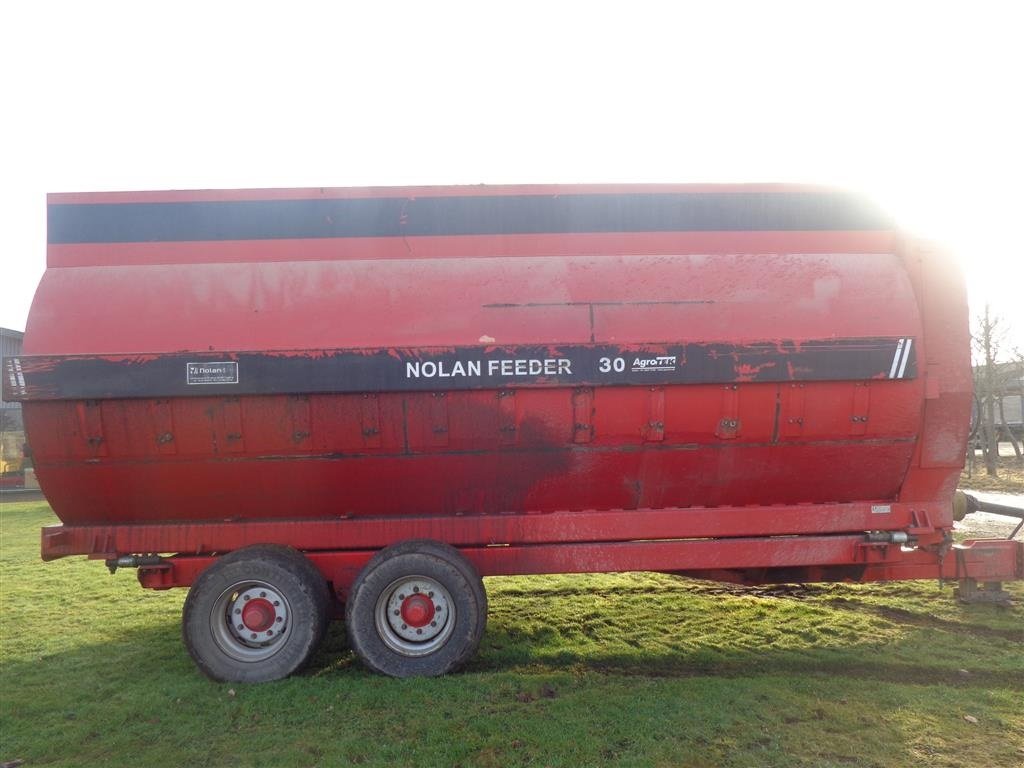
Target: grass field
{"x": 633, "y": 670}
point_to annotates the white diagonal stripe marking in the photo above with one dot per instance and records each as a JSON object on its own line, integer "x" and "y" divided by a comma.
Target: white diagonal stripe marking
{"x": 896, "y": 360}
{"x": 906, "y": 356}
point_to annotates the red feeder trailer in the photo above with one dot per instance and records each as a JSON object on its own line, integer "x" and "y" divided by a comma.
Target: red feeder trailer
{"x": 290, "y": 398}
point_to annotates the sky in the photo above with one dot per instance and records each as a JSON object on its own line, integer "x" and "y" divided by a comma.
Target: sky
{"x": 917, "y": 105}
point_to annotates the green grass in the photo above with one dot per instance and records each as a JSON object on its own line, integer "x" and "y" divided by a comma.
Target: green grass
{"x": 624, "y": 669}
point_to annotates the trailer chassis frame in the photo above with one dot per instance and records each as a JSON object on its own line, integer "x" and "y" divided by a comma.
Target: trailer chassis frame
{"x": 860, "y": 541}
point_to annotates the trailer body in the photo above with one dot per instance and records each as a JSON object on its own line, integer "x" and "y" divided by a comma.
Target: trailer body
{"x": 747, "y": 382}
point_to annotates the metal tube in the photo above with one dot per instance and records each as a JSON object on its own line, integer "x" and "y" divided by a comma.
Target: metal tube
{"x": 133, "y": 561}
{"x": 976, "y": 505}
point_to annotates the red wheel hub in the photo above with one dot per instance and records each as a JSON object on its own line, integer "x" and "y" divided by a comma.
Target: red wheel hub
{"x": 258, "y": 615}
{"x": 417, "y": 610}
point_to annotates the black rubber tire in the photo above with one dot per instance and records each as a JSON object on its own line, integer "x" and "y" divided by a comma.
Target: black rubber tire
{"x": 288, "y": 572}
{"x": 434, "y": 560}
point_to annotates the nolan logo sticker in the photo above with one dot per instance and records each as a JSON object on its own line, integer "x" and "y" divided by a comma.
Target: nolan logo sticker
{"x": 212, "y": 373}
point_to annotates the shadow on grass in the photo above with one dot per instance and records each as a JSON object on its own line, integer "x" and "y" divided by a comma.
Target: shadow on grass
{"x": 155, "y": 655}
{"x": 928, "y": 621}
{"x": 503, "y": 650}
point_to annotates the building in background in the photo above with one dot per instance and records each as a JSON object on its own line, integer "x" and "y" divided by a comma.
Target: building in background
{"x": 12, "y": 430}
{"x": 1011, "y": 382}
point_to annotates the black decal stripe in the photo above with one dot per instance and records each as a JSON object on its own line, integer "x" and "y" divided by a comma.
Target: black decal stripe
{"x": 476, "y": 215}
{"x": 384, "y": 370}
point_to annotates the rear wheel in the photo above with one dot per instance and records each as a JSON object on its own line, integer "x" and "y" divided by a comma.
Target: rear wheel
{"x": 255, "y": 615}
{"x": 418, "y": 609}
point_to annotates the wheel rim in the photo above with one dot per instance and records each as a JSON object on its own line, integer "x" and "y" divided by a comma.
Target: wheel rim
{"x": 415, "y": 615}
{"x": 250, "y": 620}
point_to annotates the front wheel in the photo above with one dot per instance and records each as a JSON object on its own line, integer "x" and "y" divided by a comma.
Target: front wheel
{"x": 255, "y": 615}
{"x": 418, "y": 609}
